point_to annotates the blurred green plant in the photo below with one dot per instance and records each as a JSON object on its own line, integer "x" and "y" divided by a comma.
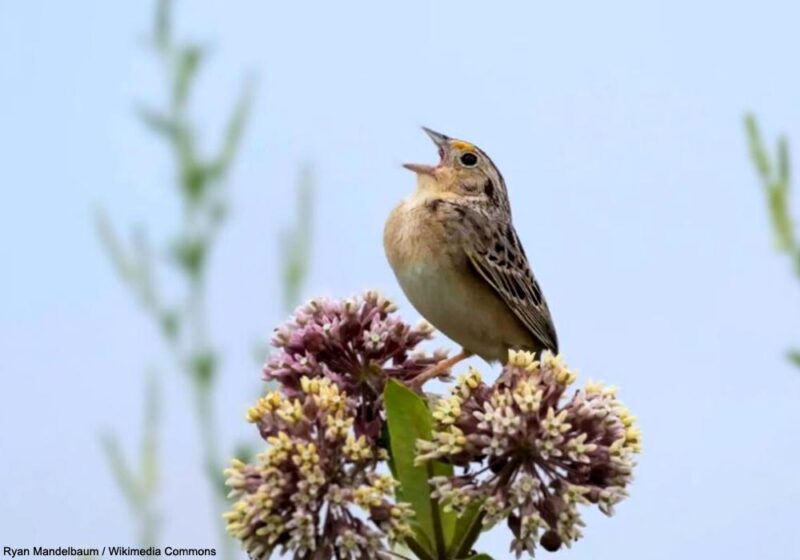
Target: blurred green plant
{"x": 200, "y": 182}
{"x": 140, "y": 487}
{"x": 296, "y": 242}
{"x": 295, "y": 260}
{"x": 775, "y": 175}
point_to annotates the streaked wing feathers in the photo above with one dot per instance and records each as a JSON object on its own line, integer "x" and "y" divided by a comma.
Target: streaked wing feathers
{"x": 499, "y": 258}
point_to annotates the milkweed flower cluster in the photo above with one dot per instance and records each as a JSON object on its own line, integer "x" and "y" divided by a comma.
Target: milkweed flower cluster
{"x": 528, "y": 451}
{"x": 530, "y": 454}
{"x": 357, "y": 343}
{"x": 315, "y": 491}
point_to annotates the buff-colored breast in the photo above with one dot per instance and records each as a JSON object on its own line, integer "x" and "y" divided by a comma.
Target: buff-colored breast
{"x": 434, "y": 273}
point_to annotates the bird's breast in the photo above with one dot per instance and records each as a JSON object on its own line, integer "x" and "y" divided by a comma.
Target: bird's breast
{"x": 414, "y": 239}
{"x": 434, "y": 273}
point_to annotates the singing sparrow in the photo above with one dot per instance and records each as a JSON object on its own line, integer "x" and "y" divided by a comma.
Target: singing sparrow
{"x": 457, "y": 257}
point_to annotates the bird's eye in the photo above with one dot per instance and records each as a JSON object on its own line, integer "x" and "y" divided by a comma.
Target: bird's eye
{"x": 469, "y": 159}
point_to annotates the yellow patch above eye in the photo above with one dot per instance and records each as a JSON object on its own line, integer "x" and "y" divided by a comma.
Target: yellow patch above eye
{"x": 461, "y": 145}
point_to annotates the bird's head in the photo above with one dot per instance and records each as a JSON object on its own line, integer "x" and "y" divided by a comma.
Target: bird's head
{"x": 463, "y": 171}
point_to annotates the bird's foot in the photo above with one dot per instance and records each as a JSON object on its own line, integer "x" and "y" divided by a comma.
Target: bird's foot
{"x": 439, "y": 370}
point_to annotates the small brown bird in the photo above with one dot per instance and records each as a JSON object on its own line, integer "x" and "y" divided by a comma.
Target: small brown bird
{"x": 458, "y": 259}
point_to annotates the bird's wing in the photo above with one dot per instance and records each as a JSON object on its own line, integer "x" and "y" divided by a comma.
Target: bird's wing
{"x": 498, "y": 256}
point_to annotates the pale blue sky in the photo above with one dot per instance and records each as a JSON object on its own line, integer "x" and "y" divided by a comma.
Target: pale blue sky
{"x": 618, "y": 128}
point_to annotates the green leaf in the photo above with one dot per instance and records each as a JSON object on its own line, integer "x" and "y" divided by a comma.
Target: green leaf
{"x": 296, "y": 242}
{"x": 158, "y": 122}
{"x": 170, "y": 323}
{"x": 113, "y": 246}
{"x": 480, "y": 557}
{"x": 422, "y": 551}
{"x": 757, "y": 152}
{"x": 468, "y": 529}
{"x": 409, "y": 419}
{"x": 234, "y": 129}
{"x": 188, "y": 62}
{"x": 203, "y": 365}
{"x": 195, "y": 177}
{"x": 190, "y": 254}
{"x": 794, "y": 357}
{"x": 123, "y": 475}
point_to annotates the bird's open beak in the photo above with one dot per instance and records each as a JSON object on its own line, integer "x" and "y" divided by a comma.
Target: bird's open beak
{"x": 441, "y": 142}
{"x": 438, "y": 138}
{"x": 420, "y": 168}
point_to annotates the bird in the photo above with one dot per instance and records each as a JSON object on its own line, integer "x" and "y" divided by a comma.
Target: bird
{"x": 457, "y": 257}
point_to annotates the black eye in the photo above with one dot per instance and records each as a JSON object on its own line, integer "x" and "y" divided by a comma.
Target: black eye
{"x": 469, "y": 159}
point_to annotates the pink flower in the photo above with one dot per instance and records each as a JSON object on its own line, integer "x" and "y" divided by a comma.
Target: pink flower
{"x": 531, "y": 454}
{"x": 358, "y": 344}
{"x": 315, "y": 491}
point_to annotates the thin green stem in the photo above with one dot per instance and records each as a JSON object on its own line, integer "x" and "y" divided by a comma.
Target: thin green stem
{"x": 204, "y": 413}
{"x": 470, "y": 536}
{"x": 199, "y": 182}
{"x": 419, "y": 550}
{"x": 139, "y": 485}
{"x": 774, "y": 172}
{"x": 436, "y": 518}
